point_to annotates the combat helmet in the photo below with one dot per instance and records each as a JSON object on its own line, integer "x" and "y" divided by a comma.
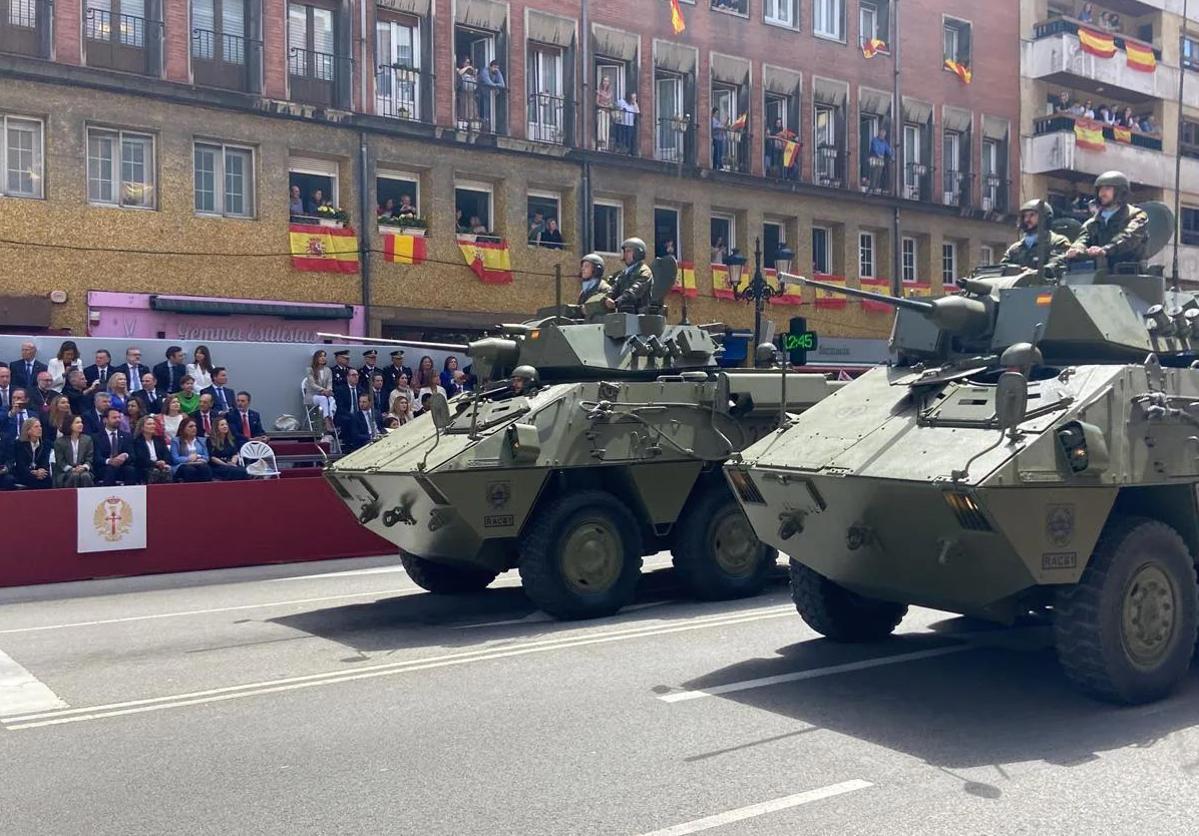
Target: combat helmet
{"x": 597, "y": 263}
{"x": 637, "y": 246}
{"x": 528, "y": 375}
{"x": 1041, "y": 207}
{"x": 1114, "y": 178}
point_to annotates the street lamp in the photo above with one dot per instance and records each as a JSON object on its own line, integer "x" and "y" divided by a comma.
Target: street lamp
{"x": 758, "y": 290}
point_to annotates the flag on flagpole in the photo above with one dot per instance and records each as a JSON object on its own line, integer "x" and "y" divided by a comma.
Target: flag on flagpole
{"x": 323, "y": 249}
{"x": 405, "y": 249}
{"x": 1098, "y": 44}
{"x": 873, "y": 47}
{"x": 676, "y": 17}
{"x": 1089, "y": 135}
{"x": 1140, "y": 57}
{"x": 489, "y": 260}
{"x": 960, "y": 70}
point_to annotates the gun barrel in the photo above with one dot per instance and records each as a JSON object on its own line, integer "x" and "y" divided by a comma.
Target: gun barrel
{"x": 926, "y": 308}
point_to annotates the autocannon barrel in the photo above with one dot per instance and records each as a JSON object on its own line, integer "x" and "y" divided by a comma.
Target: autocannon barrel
{"x": 958, "y": 314}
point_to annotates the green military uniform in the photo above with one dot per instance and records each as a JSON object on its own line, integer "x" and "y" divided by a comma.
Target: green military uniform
{"x": 632, "y": 288}
{"x": 1022, "y": 255}
{"x": 601, "y": 288}
{"x": 1124, "y": 236}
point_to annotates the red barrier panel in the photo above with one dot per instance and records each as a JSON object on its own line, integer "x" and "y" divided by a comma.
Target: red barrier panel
{"x": 215, "y": 525}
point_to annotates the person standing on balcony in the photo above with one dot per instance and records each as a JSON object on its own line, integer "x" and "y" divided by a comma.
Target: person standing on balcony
{"x": 626, "y": 122}
{"x": 880, "y": 150}
{"x": 468, "y": 91}
{"x": 719, "y": 136}
{"x": 1087, "y": 13}
{"x": 491, "y": 86}
{"x": 603, "y": 115}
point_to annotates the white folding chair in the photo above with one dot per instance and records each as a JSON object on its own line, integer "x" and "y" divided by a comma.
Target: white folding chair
{"x": 264, "y": 466}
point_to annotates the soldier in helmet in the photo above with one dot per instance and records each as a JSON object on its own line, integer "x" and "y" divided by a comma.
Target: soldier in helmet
{"x": 1119, "y": 232}
{"x": 632, "y": 286}
{"x": 591, "y": 278}
{"x": 524, "y": 380}
{"x": 1025, "y": 252}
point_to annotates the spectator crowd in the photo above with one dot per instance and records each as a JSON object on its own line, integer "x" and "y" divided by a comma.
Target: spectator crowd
{"x": 1111, "y": 115}
{"x": 66, "y": 424}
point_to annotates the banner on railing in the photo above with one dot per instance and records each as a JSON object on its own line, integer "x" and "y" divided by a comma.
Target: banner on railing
{"x": 1099, "y": 44}
{"x": 323, "y": 249}
{"x": 489, "y": 260}
{"x": 917, "y": 290}
{"x": 826, "y": 298}
{"x": 792, "y": 294}
{"x": 1089, "y": 135}
{"x": 405, "y": 249}
{"x": 1140, "y": 57}
{"x": 684, "y": 282}
{"x": 110, "y": 519}
{"x": 876, "y": 286}
{"x": 721, "y": 288}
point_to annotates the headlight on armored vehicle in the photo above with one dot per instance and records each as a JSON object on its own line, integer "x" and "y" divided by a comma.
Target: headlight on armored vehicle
{"x": 523, "y": 443}
{"x": 1084, "y": 447}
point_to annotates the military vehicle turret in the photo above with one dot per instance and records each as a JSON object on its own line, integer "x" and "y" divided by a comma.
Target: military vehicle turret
{"x": 605, "y": 447}
{"x": 1033, "y": 448}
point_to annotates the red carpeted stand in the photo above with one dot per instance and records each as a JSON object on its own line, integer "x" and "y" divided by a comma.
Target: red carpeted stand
{"x": 189, "y": 527}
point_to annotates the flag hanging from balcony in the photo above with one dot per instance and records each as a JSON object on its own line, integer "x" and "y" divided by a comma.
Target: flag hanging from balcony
{"x": 739, "y": 123}
{"x": 488, "y": 259}
{"x": 964, "y": 73}
{"x": 873, "y": 47}
{"x": 1089, "y": 135}
{"x": 792, "y": 294}
{"x": 876, "y": 286}
{"x": 828, "y": 299}
{"x": 323, "y": 249}
{"x": 1122, "y": 134}
{"x": 676, "y": 17}
{"x": 684, "y": 283}
{"x": 1140, "y": 57}
{"x": 790, "y": 153}
{"x": 405, "y": 249}
{"x": 917, "y": 290}
{"x": 1098, "y": 44}
{"x": 720, "y": 282}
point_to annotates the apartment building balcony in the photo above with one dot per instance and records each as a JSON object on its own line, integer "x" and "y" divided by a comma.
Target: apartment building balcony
{"x": 616, "y": 130}
{"x": 674, "y": 141}
{"x": 1055, "y": 149}
{"x": 917, "y": 182}
{"x": 222, "y": 59}
{"x": 25, "y": 27}
{"x": 316, "y": 76}
{"x": 550, "y": 119}
{"x": 1055, "y": 56}
{"x": 400, "y": 92}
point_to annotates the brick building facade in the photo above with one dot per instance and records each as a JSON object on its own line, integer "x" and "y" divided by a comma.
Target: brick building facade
{"x": 150, "y": 145}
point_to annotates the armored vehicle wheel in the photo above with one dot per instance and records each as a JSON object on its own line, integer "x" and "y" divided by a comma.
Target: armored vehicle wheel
{"x": 835, "y": 612}
{"x": 581, "y": 556}
{"x": 716, "y": 553}
{"x": 442, "y": 579}
{"x": 1126, "y": 631}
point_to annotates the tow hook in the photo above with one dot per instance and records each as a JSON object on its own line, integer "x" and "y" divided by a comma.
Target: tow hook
{"x": 791, "y": 523}
{"x": 857, "y": 536}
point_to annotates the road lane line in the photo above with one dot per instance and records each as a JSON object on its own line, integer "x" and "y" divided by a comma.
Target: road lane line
{"x": 21, "y": 692}
{"x": 348, "y": 573}
{"x": 396, "y": 593}
{"x": 74, "y": 715}
{"x": 754, "y": 810}
{"x": 814, "y": 673}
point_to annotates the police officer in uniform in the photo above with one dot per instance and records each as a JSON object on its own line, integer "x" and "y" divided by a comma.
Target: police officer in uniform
{"x": 591, "y": 278}
{"x": 1119, "y": 231}
{"x": 632, "y": 285}
{"x": 341, "y": 367}
{"x": 392, "y": 373}
{"x": 368, "y": 370}
{"x": 1025, "y": 252}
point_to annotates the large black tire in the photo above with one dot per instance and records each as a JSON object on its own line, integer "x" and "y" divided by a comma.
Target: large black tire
{"x": 443, "y": 579}
{"x": 717, "y": 556}
{"x": 581, "y": 556}
{"x": 835, "y": 612}
{"x": 1125, "y": 632}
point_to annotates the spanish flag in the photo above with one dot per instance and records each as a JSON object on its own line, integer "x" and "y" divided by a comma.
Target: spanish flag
{"x": 1089, "y": 135}
{"x": 792, "y": 293}
{"x": 791, "y": 153}
{"x": 828, "y": 299}
{"x": 721, "y": 288}
{"x": 1121, "y": 134}
{"x": 676, "y": 17}
{"x": 323, "y": 249}
{"x": 684, "y": 282}
{"x": 488, "y": 259}
{"x": 739, "y": 123}
{"x": 876, "y": 286}
{"x": 1140, "y": 57}
{"x": 917, "y": 290}
{"x": 873, "y": 47}
{"x": 1096, "y": 43}
{"x": 405, "y": 249}
{"x": 960, "y": 70}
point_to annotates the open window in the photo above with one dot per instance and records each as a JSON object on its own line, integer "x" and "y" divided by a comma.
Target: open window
{"x": 722, "y": 235}
{"x": 398, "y": 199}
{"x": 474, "y": 208}
{"x": 544, "y": 217}
{"x": 399, "y": 76}
{"x": 314, "y": 183}
{"x": 666, "y": 232}
{"x": 607, "y": 225}
{"x": 956, "y": 40}
{"x": 821, "y": 255}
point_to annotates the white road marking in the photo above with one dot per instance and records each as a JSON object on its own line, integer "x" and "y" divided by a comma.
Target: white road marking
{"x": 754, "y": 810}
{"x": 21, "y": 692}
{"x": 75, "y": 715}
{"x": 539, "y": 617}
{"x": 814, "y": 673}
{"x": 394, "y": 593}
{"x": 348, "y": 573}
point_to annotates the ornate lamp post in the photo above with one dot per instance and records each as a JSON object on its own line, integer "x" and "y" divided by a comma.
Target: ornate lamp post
{"x": 758, "y": 290}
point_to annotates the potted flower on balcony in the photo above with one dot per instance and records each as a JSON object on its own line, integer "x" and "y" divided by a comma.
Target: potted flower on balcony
{"x": 330, "y": 215}
{"x": 406, "y": 223}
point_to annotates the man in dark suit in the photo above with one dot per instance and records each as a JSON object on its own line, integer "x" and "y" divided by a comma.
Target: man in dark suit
{"x": 25, "y": 370}
{"x": 6, "y": 388}
{"x": 150, "y": 395}
{"x": 341, "y": 366}
{"x": 369, "y": 368}
{"x": 101, "y": 370}
{"x": 78, "y": 392}
{"x": 133, "y": 368}
{"x": 206, "y": 416}
{"x": 41, "y": 394}
{"x": 114, "y": 452}
{"x": 169, "y": 373}
{"x": 393, "y": 372}
{"x": 345, "y": 393}
{"x": 18, "y": 413}
{"x": 223, "y": 399}
{"x": 94, "y": 419}
{"x": 379, "y": 394}
{"x": 362, "y": 426}
{"x": 245, "y": 422}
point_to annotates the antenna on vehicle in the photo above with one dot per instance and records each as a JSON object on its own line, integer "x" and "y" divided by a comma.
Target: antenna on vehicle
{"x": 1183, "y": 37}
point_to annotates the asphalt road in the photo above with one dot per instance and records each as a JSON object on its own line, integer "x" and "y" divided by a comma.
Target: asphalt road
{"x": 338, "y": 698}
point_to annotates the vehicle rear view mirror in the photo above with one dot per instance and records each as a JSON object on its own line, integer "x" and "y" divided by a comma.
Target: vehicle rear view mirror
{"x": 1011, "y": 400}
{"x": 439, "y": 408}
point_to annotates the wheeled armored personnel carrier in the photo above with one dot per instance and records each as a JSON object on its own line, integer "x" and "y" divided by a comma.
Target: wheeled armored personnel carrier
{"x": 614, "y": 454}
{"x": 1034, "y": 448}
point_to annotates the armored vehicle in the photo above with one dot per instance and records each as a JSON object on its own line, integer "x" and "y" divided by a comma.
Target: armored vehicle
{"x": 1032, "y": 450}
{"x": 605, "y": 447}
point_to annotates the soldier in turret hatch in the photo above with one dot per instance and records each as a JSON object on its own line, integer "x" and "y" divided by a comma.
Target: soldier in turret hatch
{"x": 632, "y": 285}
{"x": 591, "y": 278}
{"x": 1119, "y": 232}
{"x": 1026, "y": 252}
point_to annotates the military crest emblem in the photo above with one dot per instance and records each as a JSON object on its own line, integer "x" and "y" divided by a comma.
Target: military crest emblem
{"x": 113, "y": 518}
{"x": 1059, "y": 524}
{"x": 498, "y": 494}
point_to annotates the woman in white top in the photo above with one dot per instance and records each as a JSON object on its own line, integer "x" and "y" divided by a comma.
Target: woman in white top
{"x": 67, "y": 358}
{"x": 401, "y": 407}
{"x": 318, "y": 389}
{"x": 402, "y": 387}
{"x": 172, "y": 416}
{"x": 201, "y": 367}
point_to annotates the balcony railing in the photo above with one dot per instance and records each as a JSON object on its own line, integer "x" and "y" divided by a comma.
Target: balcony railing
{"x": 955, "y": 186}
{"x": 1060, "y": 123}
{"x": 309, "y": 63}
{"x": 129, "y": 30}
{"x": 673, "y": 140}
{"x": 398, "y": 92}
{"x": 121, "y": 42}
{"x": 994, "y": 196}
{"x": 916, "y": 177}
{"x": 221, "y": 59}
{"x": 315, "y": 76}
{"x": 734, "y": 152}
{"x": 1069, "y": 26}
{"x": 876, "y": 175}
{"x": 208, "y": 45}
{"x": 616, "y": 130}
{"x": 774, "y": 152}
{"x": 25, "y": 27}
{"x": 548, "y": 117}
{"x": 478, "y": 107}
{"x": 829, "y": 167}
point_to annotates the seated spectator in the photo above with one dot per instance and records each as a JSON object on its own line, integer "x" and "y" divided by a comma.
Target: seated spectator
{"x": 118, "y": 391}
{"x": 151, "y": 457}
{"x": 172, "y": 417}
{"x": 426, "y": 375}
{"x": 41, "y": 394}
{"x": 5, "y": 387}
{"x": 133, "y": 415}
{"x": 188, "y": 395}
{"x": 113, "y": 452}
{"x": 153, "y": 399}
{"x": 551, "y": 238}
{"x": 31, "y": 462}
{"x": 189, "y": 454}
{"x": 100, "y": 370}
{"x": 245, "y": 422}
{"x": 18, "y": 413}
{"x": 222, "y": 454}
{"x": 402, "y": 388}
{"x": 205, "y": 417}
{"x": 378, "y": 393}
{"x": 425, "y": 396}
{"x": 223, "y": 397}
{"x": 318, "y": 390}
{"x": 7, "y": 482}
{"x": 93, "y": 419}
{"x": 200, "y": 368}
{"x": 363, "y": 426}
{"x": 316, "y": 202}
{"x": 73, "y": 457}
{"x": 295, "y": 205}
{"x": 476, "y": 226}
{"x": 79, "y": 392}
{"x": 401, "y": 409}
{"x": 67, "y": 358}
{"x": 387, "y": 209}
{"x": 56, "y": 418}
{"x": 452, "y": 377}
